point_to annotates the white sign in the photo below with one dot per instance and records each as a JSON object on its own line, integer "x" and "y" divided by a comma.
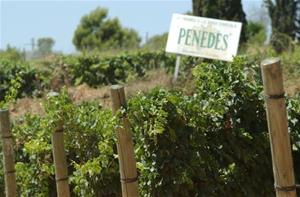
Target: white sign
{"x": 203, "y": 37}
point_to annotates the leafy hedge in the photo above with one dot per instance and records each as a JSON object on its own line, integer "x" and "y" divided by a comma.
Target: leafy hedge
{"x": 27, "y": 75}
{"x": 89, "y": 142}
{"x": 95, "y": 70}
{"x": 209, "y": 144}
{"x": 90, "y": 68}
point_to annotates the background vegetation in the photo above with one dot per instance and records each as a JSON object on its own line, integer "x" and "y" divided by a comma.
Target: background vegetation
{"x": 204, "y": 136}
{"x": 97, "y": 32}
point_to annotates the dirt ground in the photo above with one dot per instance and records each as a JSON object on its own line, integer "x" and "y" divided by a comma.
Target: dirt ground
{"x": 102, "y": 94}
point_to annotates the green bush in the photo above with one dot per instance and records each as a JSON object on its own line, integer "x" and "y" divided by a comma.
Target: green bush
{"x": 89, "y": 142}
{"x": 212, "y": 143}
{"x": 293, "y": 107}
{"x": 95, "y": 70}
{"x": 90, "y": 148}
{"x": 12, "y": 53}
{"x": 89, "y": 68}
{"x": 156, "y": 42}
{"x": 256, "y": 32}
{"x": 10, "y": 70}
{"x": 209, "y": 144}
{"x": 281, "y": 42}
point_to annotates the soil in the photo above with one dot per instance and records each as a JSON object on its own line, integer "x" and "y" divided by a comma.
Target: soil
{"x": 102, "y": 94}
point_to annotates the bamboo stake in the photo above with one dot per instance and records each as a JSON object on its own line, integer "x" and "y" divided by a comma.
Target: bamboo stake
{"x": 60, "y": 163}
{"x": 8, "y": 155}
{"x": 125, "y": 149}
{"x": 278, "y": 128}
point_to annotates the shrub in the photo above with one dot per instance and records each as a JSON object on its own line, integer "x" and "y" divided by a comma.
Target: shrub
{"x": 94, "y": 70}
{"x": 256, "y": 32}
{"x": 12, "y": 54}
{"x": 89, "y": 143}
{"x": 208, "y": 144}
{"x": 281, "y": 42}
{"x": 156, "y": 42}
{"x": 10, "y": 70}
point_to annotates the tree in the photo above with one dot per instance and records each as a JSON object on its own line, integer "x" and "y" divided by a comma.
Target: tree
{"x": 283, "y": 14}
{"x": 11, "y": 53}
{"x": 221, "y": 9}
{"x": 256, "y": 32}
{"x": 45, "y": 45}
{"x": 157, "y": 42}
{"x": 96, "y": 31}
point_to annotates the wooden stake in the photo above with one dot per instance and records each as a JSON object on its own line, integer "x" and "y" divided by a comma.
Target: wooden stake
{"x": 127, "y": 161}
{"x": 60, "y": 163}
{"x": 278, "y": 128}
{"x": 8, "y": 155}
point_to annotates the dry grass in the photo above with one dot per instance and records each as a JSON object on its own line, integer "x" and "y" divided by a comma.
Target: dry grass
{"x": 155, "y": 78}
{"x": 26, "y": 105}
{"x": 290, "y": 61}
{"x": 292, "y": 86}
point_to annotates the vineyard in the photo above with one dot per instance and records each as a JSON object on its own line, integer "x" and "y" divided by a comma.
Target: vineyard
{"x": 205, "y": 136}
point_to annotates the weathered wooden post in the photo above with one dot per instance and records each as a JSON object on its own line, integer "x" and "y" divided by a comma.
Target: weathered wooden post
{"x": 127, "y": 162}
{"x": 278, "y": 128}
{"x": 8, "y": 155}
{"x": 60, "y": 163}
{"x": 59, "y": 158}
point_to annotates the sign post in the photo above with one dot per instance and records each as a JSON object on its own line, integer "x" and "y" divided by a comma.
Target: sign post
{"x": 177, "y": 65}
